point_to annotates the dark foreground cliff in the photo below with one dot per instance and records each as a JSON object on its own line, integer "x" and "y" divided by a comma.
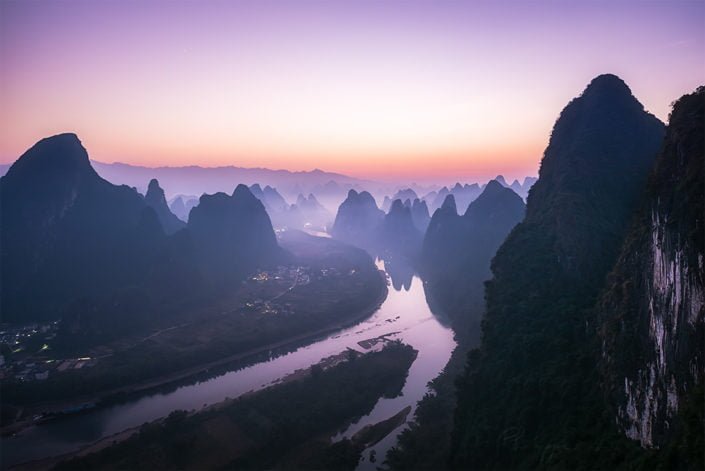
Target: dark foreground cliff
{"x": 530, "y": 396}
{"x": 653, "y": 309}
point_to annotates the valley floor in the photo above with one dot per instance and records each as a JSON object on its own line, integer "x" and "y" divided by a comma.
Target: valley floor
{"x": 271, "y": 310}
{"x": 271, "y": 428}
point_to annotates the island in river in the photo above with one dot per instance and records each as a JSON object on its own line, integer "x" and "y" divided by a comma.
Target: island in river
{"x": 286, "y": 426}
{"x": 326, "y": 286}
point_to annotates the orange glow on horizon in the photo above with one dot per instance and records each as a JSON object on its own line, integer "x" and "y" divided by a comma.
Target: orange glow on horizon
{"x": 445, "y": 91}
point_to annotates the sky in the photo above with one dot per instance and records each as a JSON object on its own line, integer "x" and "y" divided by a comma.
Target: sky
{"x": 419, "y": 91}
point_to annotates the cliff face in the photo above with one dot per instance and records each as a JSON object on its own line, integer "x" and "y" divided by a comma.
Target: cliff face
{"x": 654, "y": 307}
{"x": 530, "y": 396}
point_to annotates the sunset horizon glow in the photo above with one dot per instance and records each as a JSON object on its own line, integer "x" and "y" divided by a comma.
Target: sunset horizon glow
{"x": 419, "y": 91}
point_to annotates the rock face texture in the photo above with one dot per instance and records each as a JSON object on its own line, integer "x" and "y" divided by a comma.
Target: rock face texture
{"x": 653, "y": 310}
{"x": 540, "y": 330}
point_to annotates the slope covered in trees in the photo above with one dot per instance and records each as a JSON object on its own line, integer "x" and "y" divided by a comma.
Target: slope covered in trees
{"x": 530, "y": 395}
{"x": 652, "y": 313}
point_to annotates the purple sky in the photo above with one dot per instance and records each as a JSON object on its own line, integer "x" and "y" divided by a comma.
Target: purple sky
{"x": 414, "y": 90}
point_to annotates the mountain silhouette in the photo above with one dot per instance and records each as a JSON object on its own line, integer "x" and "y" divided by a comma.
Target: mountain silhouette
{"x": 420, "y": 215}
{"x": 457, "y": 250}
{"x": 358, "y": 220}
{"x": 232, "y": 234}
{"x": 156, "y": 200}
{"x": 539, "y": 330}
{"x": 66, "y": 232}
{"x": 652, "y": 312}
{"x": 398, "y": 234}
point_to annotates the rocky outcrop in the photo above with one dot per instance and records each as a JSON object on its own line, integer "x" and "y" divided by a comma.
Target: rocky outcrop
{"x": 540, "y": 331}
{"x": 653, "y": 311}
{"x": 156, "y": 200}
{"x": 66, "y": 232}
{"x": 358, "y": 220}
{"x": 232, "y": 234}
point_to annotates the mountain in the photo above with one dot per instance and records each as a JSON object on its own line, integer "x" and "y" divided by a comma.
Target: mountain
{"x": 463, "y": 195}
{"x": 67, "y": 233}
{"x": 652, "y": 312}
{"x": 420, "y": 215}
{"x": 530, "y": 395}
{"x": 96, "y": 255}
{"x": 528, "y": 183}
{"x": 405, "y": 194}
{"x": 156, "y": 200}
{"x": 313, "y": 213}
{"x": 516, "y": 187}
{"x": 307, "y": 212}
{"x": 444, "y": 239}
{"x": 178, "y": 208}
{"x": 271, "y": 199}
{"x": 521, "y": 189}
{"x": 500, "y": 179}
{"x": 358, "y": 220}
{"x": 457, "y": 250}
{"x": 182, "y": 205}
{"x": 198, "y": 180}
{"x": 274, "y": 200}
{"x": 398, "y": 234}
{"x": 386, "y": 204}
{"x": 438, "y": 199}
{"x": 232, "y": 234}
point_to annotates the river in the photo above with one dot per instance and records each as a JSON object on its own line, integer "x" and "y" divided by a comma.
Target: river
{"x": 405, "y": 315}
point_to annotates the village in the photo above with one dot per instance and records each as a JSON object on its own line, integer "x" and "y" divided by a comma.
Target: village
{"x": 261, "y": 286}
{"x": 26, "y": 355}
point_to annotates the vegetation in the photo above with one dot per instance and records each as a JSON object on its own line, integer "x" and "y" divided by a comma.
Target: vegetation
{"x": 637, "y": 298}
{"x": 425, "y": 445}
{"x": 281, "y": 426}
{"x": 350, "y": 287}
{"x": 530, "y": 396}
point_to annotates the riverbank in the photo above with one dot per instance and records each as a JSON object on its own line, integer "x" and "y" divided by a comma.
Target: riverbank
{"x": 258, "y": 430}
{"x": 112, "y": 440}
{"x": 108, "y": 396}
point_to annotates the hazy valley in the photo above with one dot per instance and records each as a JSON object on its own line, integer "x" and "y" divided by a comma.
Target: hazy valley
{"x": 496, "y": 263}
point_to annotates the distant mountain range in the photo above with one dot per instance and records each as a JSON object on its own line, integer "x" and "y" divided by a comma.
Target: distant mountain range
{"x": 536, "y": 377}
{"x": 195, "y": 180}
{"x": 591, "y": 351}
{"x": 69, "y": 236}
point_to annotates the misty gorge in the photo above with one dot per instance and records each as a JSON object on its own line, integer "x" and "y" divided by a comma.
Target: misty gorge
{"x": 272, "y": 258}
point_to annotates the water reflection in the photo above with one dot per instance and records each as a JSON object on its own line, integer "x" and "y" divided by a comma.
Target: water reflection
{"x": 400, "y": 271}
{"x": 405, "y": 315}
